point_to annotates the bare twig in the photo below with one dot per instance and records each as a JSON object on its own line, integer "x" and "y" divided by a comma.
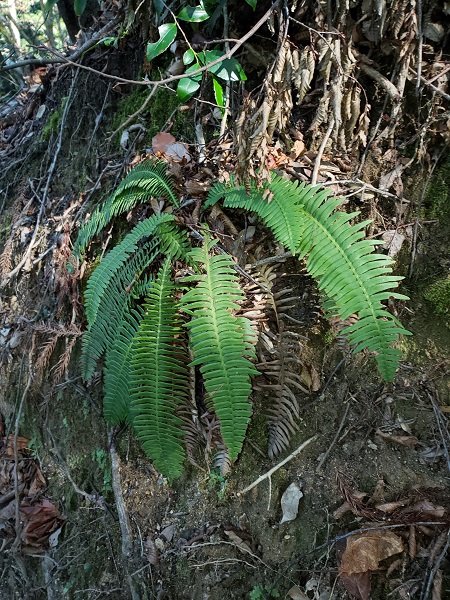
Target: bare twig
{"x": 18, "y": 527}
{"x": 420, "y": 44}
{"x": 278, "y": 466}
{"x": 89, "y": 497}
{"x": 38, "y": 62}
{"x": 338, "y": 432}
{"x": 437, "y": 564}
{"x": 430, "y": 85}
{"x": 419, "y": 207}
{"x": 387, "y": 85}
{"x": 443, "y": 428}
{"x": 173, "y": 78}
{"x": 124, "y": 521}
{"x": 318, "y": 160}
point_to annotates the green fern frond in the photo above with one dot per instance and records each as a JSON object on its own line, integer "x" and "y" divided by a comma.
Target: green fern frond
{"x": 115, "y": 259}
{"x": 158, "y": 379}
{"x": 221, "y": 343}
{"x": 303, "y": 218}
{"x": 113, "y": 303}
{"x": 148, "y": 179}
{"x": 116, "y": 403}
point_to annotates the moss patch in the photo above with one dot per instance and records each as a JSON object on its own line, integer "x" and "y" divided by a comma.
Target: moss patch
{"x": 438, "y": 294}
{"x": 54, "y": 122}
{"x": 161, "y": 114}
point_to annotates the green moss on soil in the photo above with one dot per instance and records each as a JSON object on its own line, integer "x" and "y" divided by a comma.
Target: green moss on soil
{"x": 54, "y": 122}
{"x": 438, "y": 294}
{"x": 161, "y": 114}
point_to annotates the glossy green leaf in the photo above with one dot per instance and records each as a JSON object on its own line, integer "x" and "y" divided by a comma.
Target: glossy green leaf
{"x": 79, "y": 6}
{"x": 228, "y": 69}
{"x": 109, "y": 41}
{"x": 218, "y": 93}
{"x": 252, "y": 3}
{"x": 188, "y": 57}
{"x": 193, "y": 14}
{"x": 167, "y": 34}
{"x": 189, "y": 85}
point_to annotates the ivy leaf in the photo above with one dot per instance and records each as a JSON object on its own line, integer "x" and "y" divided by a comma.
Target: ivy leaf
{"x": 228, "y": 69}
{"x": 79, "y": 6}
{"x": 188, "y": 57}
{"x": 218, "y": 93}
{"x": 189, "y": 85}
{"x": 193, "y": 14}
{"x": 167, "y": 34}
{"x": 252, "y": 3}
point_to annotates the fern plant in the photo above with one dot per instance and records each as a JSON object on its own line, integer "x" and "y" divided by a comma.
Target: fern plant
{"x": 222, "y": 343}
{"x": 138, "y": 319}
{"x": 348, "y": 272}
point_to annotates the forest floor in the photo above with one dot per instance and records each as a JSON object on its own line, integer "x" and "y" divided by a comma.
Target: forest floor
{"x": 372, "y": 483}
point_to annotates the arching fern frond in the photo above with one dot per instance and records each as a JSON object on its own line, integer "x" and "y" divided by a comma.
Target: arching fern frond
{"x": 159, "y": 378}
{"x": 116, "y": 402}
{"x": 221, "y": 343}
{"x": 113, "y": 303}
{"x": 303, "y": 218}
{"x": 115, "y": 259}
{"x": 148, "y": 179}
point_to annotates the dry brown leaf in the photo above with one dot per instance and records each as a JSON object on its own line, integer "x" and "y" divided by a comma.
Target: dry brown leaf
{"x": 390, "y": 507}
{"x": 233, "y": 537}
{"x": 297, "y": 149}
{"x": 150, "y": 548}
{"x": 39, "y": 522}
{"x": 296, "y": 593}
{"x": 357, "y": 585}
{"x": 403, "y": 440}
{"x": 366, "y": 550}
{"x": 165, "y": 143}
{"x": 310, "y": 377}
{"x": 8, "y": 449}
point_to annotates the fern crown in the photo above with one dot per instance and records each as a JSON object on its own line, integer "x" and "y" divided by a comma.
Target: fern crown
{"x": 155, "y": 335}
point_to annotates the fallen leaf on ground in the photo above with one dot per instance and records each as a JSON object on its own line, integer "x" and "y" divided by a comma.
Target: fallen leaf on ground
{"x": 165, "y": 143}
{"x": 403, "y": 440}
{"x": 296, "y": 593}
{"x": 365, "y": 551}
{"x": 393, "y": 241}
{"x": 357, "y": 585}
{"x": 233, "y": 537}
{"x": 289, "y": 502}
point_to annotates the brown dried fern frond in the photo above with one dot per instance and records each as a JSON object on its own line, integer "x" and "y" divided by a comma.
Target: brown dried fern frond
{"x": 281, "y": 382}
{"x": 54, "y": 332}
{"x": 63, "y": 363}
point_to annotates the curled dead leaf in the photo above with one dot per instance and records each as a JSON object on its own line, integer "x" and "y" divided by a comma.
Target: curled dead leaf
{"x": 365, "y": 551}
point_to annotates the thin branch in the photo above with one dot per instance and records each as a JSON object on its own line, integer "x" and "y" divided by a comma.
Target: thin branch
{"x": 18, "y": 527}
{"x": 318, "y": 160}
{"x": 387, "y": 85}
{"x": 124, "y": 521}
{"x": 338, "y": 432}
{"x": 72, "y": 57}
{"x": 173, "y": 78}
{"x": 430, "y": 85}
{"x": 278, "y": 466}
